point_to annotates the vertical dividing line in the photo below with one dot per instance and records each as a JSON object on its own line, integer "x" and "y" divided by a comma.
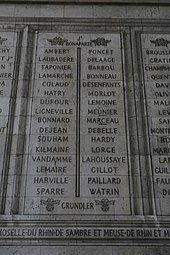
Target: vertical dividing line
{"x": 150, "y": 179}
{"x": 138, "y": 206}
{"x": 78, "y": 101}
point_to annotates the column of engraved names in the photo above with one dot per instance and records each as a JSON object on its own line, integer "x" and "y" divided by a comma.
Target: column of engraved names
{"x": 104, "y": 167}
{"x": 51, "y": 168}
{"x": 156, "y": 65}
{"x": 7, "y": 57}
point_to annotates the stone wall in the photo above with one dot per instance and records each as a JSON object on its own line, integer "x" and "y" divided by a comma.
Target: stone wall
{"x": 84, "y": 127}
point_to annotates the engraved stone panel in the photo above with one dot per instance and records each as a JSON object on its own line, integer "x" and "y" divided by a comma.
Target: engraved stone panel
{"x": 77, "y": 157}
{"x": 156, "y": 67}
{"x": 8, "y": 65}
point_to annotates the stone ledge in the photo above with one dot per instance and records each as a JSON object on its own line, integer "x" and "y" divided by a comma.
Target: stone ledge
{"x": 145, "y": 2}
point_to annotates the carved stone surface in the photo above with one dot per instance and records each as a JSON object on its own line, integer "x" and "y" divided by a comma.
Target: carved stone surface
{"x": 84, "y": 129}
{"x": 77, "y": 152}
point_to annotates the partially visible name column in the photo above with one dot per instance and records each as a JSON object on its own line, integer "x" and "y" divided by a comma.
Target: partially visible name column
{"x": 51, "y": 159}
{"x": 156, "y": 66}
{"x": 7, "y": 57}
